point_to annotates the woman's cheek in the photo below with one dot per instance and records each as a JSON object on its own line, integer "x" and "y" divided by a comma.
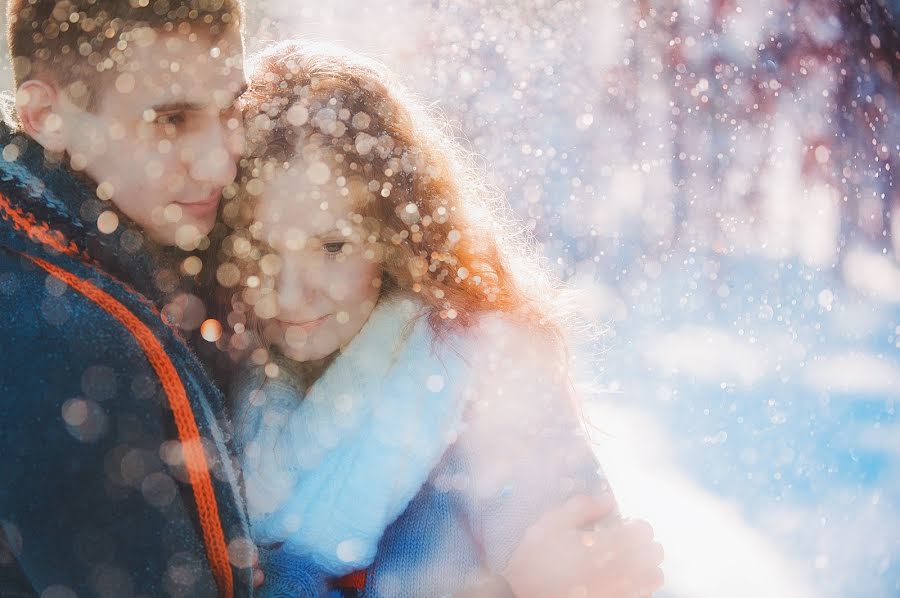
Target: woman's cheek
{"x": 366, "y": 273}
{"x": 351, "y": 281}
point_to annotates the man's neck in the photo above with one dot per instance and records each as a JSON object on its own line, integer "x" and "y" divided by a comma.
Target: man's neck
{"x": 42, "y": 185}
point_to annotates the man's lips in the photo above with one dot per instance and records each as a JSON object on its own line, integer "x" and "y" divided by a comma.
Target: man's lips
{"x": 210, "y": 202}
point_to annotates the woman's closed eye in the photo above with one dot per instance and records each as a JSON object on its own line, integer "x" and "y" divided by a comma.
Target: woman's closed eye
{"x": 333, "y": 248}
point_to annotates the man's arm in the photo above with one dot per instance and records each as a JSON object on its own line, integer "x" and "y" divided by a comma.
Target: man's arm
{"x": 13, "y": 583}
{"x": 91, "y": 480}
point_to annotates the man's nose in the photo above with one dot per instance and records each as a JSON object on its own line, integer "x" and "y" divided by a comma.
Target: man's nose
{"x": 214, "y": 160}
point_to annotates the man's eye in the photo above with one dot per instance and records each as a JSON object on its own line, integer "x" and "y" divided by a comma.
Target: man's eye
{"x": 174, "y": 119}
{"x": 334, "y": 247}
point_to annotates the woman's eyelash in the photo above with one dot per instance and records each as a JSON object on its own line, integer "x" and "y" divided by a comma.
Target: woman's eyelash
{"x": 333, "y": 247}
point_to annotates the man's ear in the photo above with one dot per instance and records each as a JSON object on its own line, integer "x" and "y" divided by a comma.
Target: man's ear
{"x": 38, "y": 108}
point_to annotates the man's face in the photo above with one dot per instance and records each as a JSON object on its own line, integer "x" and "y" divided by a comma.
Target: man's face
{"x": 164, "y": 138}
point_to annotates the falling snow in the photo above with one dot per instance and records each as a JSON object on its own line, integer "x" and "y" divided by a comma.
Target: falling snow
{"x": 715, "y": 181}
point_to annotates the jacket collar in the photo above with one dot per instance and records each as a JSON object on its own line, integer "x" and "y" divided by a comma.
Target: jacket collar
{"x": 41, "y": 188}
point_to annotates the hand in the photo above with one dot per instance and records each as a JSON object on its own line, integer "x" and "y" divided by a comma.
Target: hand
{"x": 558, "y": 557}
{"x": 258, "y": 576}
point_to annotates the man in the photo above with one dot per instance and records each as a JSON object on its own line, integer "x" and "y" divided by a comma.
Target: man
{"x": 116, "y": 477}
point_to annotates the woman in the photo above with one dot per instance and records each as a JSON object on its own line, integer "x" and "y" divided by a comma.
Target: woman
{"x": 407, "y": 414}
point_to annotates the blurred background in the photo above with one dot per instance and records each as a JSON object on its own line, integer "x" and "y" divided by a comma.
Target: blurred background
{"x": 716, "y": 179}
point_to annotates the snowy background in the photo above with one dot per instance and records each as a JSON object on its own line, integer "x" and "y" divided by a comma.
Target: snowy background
{"x": 716, "y": 178}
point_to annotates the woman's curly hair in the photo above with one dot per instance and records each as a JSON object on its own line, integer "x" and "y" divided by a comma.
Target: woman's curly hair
{"x": 445, "y": 235}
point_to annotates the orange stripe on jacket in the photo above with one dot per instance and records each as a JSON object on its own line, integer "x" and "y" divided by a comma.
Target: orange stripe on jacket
{"x": 352, "y": 581}
{"x": 38, "y": 231}
{"x": 188, "y": 433}
{"x": 41, "y": 232}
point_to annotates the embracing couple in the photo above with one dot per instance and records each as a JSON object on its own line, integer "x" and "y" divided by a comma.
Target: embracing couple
{"x": 270, "y": 335}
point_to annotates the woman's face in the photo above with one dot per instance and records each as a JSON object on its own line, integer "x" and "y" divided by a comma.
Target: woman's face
{"x": 329, "y": 273}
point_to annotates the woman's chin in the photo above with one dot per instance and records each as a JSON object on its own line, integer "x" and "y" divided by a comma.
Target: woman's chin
{"x": 304, "y": 353}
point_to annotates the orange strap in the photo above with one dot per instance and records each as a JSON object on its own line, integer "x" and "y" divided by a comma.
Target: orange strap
{"x": 37, "y": 231}
{"x": 41, "y": 232}
{"x": 351, "y": 581}
{"x": 188, "y": 433}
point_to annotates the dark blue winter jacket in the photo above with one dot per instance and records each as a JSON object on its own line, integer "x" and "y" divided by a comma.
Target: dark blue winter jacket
{"x": 115, "y": 477}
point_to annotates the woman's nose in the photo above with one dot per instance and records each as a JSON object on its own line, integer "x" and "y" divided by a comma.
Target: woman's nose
{"x": 295, "y": 290}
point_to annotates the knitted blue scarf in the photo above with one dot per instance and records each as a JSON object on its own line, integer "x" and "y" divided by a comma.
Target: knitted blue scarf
{"x": 327, "y": 473}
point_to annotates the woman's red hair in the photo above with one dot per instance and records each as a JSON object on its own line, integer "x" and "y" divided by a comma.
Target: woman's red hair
{"x": 446, "y": 237}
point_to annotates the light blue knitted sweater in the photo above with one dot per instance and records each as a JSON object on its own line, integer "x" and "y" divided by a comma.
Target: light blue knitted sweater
{"x": 422, "y": 461}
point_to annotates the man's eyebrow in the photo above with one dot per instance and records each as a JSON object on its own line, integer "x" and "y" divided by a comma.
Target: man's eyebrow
{"x": 176, "y": 107}
{"x": 183, "y": 106}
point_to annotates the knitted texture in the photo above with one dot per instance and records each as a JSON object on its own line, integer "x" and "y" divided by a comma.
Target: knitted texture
{"x": 109, "y": 413}
{"x": 372, "y": 427}
{"x": 39, "y": 232}
{"x": 289, "y": 576}
{"x": 518, "y": 452}
{"x": 522, "y": 452}
{"x": 188, "y": 433}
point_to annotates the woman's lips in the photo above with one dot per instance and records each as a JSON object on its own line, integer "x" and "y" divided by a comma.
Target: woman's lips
{"x": 307, "y": 326}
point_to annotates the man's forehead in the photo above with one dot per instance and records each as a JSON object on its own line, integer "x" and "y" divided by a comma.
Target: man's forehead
{"x": 176, "y": 69}
{"x": 205, "y": 90}
{"x": 161, "y": 53}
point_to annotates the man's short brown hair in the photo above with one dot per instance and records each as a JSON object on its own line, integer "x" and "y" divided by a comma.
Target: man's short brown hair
{"x": 75, "y": 41}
